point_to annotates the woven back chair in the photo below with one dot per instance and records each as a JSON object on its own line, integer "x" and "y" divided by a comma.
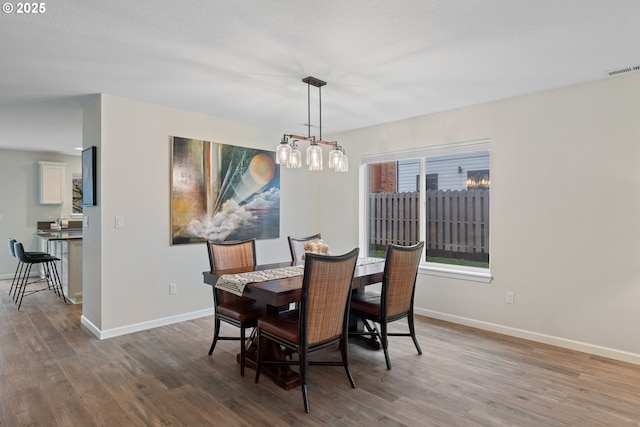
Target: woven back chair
{"x": 230, "y": 255}
{"x": 233, "y": 254}
{"x": 296, "y": 246}
{"x": 395, "y": 301}
{"x": 321, "y": 320}
{"x": 235, "y": 310}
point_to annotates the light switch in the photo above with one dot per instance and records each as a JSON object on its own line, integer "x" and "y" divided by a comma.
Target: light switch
{"x": 119, "y": 222}
{"x": 85, "y": 221}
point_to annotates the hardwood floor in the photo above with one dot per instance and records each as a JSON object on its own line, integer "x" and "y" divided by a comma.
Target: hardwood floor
{"x": 53, "y": 372}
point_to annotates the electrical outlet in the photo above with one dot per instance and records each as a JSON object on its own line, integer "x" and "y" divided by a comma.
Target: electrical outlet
{"x": 510, "y": 298}
{"x": 173, "y": 288}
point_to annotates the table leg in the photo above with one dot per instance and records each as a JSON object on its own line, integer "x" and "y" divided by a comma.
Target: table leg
{"x": 356, "y": 325}
{"x": 282, "y": 375}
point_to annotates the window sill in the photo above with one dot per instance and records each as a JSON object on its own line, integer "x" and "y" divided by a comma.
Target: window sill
{"x": 457, "y": 272}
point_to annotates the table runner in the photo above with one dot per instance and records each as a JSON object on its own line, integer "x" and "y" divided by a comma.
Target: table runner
{"x": 364, "y": 261}
{"x": 235, "y": 283}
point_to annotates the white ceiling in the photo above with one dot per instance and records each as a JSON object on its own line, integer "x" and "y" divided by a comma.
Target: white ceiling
{"x": 383, "y": 60}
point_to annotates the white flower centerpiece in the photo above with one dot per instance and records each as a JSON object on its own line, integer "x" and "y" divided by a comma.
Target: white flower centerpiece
{"x": 316, "y": 246}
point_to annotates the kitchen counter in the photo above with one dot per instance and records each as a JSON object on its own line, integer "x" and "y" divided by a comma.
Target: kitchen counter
{"x": 65, "y": 244}
{"x": 68, "y": 234}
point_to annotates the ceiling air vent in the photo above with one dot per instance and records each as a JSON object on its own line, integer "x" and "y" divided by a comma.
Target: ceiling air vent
{"x": 624, "y": 70}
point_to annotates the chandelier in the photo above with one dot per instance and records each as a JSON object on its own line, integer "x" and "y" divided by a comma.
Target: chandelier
{"x": 288, "y": 153}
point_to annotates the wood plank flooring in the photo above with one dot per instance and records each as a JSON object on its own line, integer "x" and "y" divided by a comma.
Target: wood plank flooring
{"x": 53, "y": 372}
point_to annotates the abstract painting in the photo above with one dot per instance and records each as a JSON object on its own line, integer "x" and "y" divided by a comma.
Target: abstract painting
{"x": 76, "y": 194}
{"x": 223, "y": 192}
{"x": 89, "y": 174}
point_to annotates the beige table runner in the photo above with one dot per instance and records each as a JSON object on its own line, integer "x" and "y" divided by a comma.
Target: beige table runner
{"x": 235, "y": 283}
{"x": 365, "y": 261}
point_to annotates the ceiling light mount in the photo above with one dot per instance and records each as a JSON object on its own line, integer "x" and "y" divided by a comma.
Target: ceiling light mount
{"x": 314, "y": 82}
{"x": 288, "y": 153}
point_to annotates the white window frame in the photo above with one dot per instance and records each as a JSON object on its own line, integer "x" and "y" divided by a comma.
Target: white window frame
{"x": 475, "y": 274}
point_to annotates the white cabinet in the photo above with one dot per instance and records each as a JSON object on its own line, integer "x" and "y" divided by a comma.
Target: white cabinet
{"x": 52, "y": 178}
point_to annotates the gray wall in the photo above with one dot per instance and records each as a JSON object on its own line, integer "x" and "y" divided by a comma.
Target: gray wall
{"x": 565, "y": 203}
{"x": 128, "y": 270}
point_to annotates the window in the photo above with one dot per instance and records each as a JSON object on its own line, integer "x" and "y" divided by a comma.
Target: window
{"x": 478, "y": 179}
{"x": 432, "y": 181}
{"x": 450, "y": 211}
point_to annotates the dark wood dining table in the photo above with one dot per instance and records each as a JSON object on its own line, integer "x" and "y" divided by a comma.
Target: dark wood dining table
{"x": 272, "y": 295}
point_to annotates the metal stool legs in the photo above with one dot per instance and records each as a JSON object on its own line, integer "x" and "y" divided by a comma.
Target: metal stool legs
{"x": 51, "y": 275}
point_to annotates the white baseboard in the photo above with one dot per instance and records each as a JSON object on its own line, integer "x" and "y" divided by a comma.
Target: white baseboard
{"x": 143, "y": 326}
{"x": 92, "y": 328}
{"x": 534, "y": 336}
{"x": 487, "y": 326}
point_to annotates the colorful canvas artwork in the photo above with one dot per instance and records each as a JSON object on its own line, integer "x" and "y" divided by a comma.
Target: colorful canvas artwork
{"x": 222, "y": 192}
{"x": 89, "y": 184}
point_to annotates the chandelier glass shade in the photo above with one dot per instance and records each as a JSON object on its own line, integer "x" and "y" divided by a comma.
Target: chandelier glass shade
{"x": 295, "y": 158}
{"x": 283, "y": 152}
{"x": 287, "y": 152}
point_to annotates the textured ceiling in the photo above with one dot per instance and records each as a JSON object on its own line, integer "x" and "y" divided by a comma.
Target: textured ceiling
{"x": 244, "y": 59}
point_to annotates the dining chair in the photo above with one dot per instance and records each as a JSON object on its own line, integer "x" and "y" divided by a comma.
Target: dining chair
{"x": 395, "y": 299}
{"x": 51, "y": 274}
{"x": 238, "y": 311}
{"x": 321, "y": 320}
{"x": 296, "y": 246}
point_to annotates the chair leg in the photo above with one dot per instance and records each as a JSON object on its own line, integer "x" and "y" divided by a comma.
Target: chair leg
{"x": 381, "y": 335}
{"x": 56, "y": 278}
{"x": 23, "y": 287}
{"x": 304, "y": 363}
{"x": 16, "y": 279}
{"x": 51, "y": 284}
{"x": 216, "y": 332}
{"x": 385, "y": 343}
{"x": 345, "y": 359}
{"x": 412, "y": 331}
{"x": 259, "y": 353}
{"x": 243, "y": 349}
{"x": 18, "y": 286}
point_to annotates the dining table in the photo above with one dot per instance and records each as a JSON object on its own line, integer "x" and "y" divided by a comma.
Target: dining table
{"x": 276, "y": 294}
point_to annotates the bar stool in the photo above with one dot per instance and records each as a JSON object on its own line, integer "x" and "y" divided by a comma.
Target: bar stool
{"x": 18, "y": 272}
{"x": 51, "y": 273}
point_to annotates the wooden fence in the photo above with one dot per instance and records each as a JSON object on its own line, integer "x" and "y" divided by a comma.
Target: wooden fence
{"x": 456, "y": 220}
